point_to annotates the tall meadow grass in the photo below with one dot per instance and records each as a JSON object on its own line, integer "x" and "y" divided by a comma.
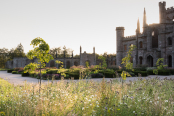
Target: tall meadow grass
{"x": 143, "y": 98}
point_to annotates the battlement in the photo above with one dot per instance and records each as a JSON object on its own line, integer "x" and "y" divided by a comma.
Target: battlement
{"x": 162, "y": 3}
{"x": 170, "y": 10}
{"x": 130, "y": 37}
{"x": 119, "y": 28}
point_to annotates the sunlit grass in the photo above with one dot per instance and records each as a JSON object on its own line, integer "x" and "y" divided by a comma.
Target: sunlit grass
{"x": 143, "y": 97}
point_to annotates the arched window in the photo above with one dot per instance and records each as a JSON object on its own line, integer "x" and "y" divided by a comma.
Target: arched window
{"x": 141, "y": 44}
{"x": 125, "y": 47}
{"x": 169, "y": 39}
{"x": 153, "y": 33}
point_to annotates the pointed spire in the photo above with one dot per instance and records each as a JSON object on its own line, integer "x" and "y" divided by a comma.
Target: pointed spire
{"x": 138, "y": 26}
{"x": 144, "y": 19}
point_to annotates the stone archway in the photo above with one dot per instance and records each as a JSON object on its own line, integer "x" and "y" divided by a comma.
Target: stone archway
{"x": 169, "y": 61}
{"x": 76, "y": 63}
{"x": 150, "y": 61}
{"x": 52, "y": 63}
{"x": 68, "y": 64}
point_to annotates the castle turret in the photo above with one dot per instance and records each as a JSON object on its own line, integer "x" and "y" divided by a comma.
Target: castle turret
{"x": 138, "y": 26}
{"x": 162, "y": 12}
{"x": 144, "y": 21}
{"x": 119, "y": 37}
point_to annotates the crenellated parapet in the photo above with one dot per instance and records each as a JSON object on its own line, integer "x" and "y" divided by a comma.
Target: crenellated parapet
{"x": 133, "y": 37}
{"x": 170, "y": 10}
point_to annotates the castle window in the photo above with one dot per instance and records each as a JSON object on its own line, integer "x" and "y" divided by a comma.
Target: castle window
{"x": 169, "y": 40}
{"x": 141, "y": 44}
{"x": 141, "y": 59}
{"x": 125, "y": 47}
{"x": 131, "y": 59}
{"x": 155, "y": 38}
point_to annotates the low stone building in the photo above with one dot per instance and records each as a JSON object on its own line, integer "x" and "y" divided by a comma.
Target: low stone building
{"x": 156, "y": 41}
{"x": 67, "y": 62}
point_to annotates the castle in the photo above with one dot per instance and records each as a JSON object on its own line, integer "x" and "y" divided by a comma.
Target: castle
{"x": 156, "y": 40}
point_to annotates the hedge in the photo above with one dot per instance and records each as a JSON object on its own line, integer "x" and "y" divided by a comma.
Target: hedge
{"x": 164, "y": 72}
{"x": 25, "y": 74}
{"x": 14, "y": 72}
{"x": 97, "y": 75}
{"x": 10, "y": 70}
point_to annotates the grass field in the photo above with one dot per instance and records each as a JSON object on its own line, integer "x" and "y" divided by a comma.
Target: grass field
{"x": 142, "y": 98}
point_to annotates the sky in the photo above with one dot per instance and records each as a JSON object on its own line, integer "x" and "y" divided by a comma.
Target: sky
{"x": 73, "y": 23}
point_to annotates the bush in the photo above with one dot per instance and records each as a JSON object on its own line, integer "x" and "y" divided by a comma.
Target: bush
{"x": 31, "y": 74}
{"x": 132, "y": 74}
{"x": 14, "y": 72}
{"x": 52, "y": 71}
{"x": 97, "y": 75}
{"x": 19, "y": 68}
{"x": 171, "y": 71}
{"x": 143, "y": 73}
{"x": 150, "y": 72}
{"x": 164, "y": 72}
{"x": 10, "y": 70}
{"x": 119, "y": 71}
{"x": 75, "y": 75}
{"x": 49, "y": 76}
{"x": 25, "y": 74}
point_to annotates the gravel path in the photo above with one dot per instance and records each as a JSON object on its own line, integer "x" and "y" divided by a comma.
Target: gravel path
{"x": 17, "y": 79}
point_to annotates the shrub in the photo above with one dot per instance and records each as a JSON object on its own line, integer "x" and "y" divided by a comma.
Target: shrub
{"x": 132, "y": 74}
{"x": 19, "y": 68}
{"x": 14, "y": 72}
{"x": 164, "y": 72}
{"x": 52, "y": 71}
{"x": 49, "y": 76}
{"x": 75, "y": 75}
{"x": 20, "y": 71}
{"x": 119, "y": 71}
{"x": 150, "y": 72}
{"x": 10, "y": 70}
{"x": 97, "y": 75}
{"x": 25, "y": 74}
{"x": 171, "y": 71}
{"x": 143, "y": 73}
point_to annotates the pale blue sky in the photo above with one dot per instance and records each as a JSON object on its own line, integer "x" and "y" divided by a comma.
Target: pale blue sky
{"x": 73, "y": 23}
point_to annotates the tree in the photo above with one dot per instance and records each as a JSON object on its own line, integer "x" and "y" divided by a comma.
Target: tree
{"x": 3, "y": 57}
{"x": 19, "y": 51}
{"x": 126, "y": 62}
{"x": 159, "y": 65}
{"x": 41, "y": 53}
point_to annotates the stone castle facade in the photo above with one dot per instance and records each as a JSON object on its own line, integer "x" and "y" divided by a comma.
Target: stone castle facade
{"x": 67, "y": 62}
{"x": 156, "y": 40}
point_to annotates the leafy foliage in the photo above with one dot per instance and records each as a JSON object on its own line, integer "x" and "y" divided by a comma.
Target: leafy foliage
{"x": 159, "y": 65}
{"x": 126, "y": 62}
{"x": 40, "y": 52}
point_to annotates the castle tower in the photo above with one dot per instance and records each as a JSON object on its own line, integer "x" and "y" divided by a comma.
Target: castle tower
{"x": 119, "y": 37}
{"x": 144, "y": 21}
{"x": 162, "y": 12}
{"x": 138, "y": 26}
